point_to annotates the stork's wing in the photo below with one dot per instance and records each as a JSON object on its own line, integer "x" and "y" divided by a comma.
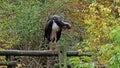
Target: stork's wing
{"x": 59, "y": 34}
{"x": 48, "y": 29}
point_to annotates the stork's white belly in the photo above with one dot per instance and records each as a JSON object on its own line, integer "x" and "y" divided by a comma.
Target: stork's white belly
{"x": 55, "y": 27}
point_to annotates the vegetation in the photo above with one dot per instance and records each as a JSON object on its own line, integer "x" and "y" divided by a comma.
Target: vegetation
{"x": 95, "y": 29}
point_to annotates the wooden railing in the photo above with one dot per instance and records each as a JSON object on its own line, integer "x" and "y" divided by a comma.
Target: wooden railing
{"x": 61, "y": 53}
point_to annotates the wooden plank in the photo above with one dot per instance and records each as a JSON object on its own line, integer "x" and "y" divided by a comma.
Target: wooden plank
{"x": 62, "y": 57}
{"x": 39, "y": 53}
{"x": 9, "y": 63}
{"x": 28, "y": 53}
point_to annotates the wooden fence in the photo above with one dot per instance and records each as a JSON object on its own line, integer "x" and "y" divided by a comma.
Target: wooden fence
{"x": 61, "y": 53}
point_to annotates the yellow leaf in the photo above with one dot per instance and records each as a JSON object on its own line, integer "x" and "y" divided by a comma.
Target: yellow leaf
{"x": 80, "y": 51}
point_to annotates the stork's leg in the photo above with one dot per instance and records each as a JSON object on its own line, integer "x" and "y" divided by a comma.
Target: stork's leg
{"x": 55, "y": 41}
{"x": 50, "y": 44}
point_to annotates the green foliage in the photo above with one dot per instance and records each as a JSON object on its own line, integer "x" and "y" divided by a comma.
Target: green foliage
{"x": 115, "y": 57}
{"x": 22, "y": 22}
{"x": 115, "y": 34}
{"x": 75, "y": 61}
{"x": 86, "y": 58}
{"x": 7, "y": 36}
{"x": 28, "y": 21}
{"x": 101, "y": 33}
{"x": 78, "y": 63}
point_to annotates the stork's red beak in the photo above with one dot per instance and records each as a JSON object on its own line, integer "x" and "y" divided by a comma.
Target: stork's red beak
{"x": 66, "y": 25}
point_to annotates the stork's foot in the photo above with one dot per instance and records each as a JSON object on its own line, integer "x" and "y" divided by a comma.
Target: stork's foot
{"x": 56, "y": 47}
{"x": 50, "y": 48}
{"x": 53, "y": 48}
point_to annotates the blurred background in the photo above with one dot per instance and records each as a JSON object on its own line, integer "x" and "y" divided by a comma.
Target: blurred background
{"x": 95, "y": 29}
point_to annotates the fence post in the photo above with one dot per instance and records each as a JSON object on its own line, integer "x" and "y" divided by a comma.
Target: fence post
{"x": 9, "y": 58}
{"x": 62, "y": 56}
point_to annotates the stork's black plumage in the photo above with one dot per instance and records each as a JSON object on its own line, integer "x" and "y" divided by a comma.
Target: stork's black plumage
{"x": 53, "y": 28}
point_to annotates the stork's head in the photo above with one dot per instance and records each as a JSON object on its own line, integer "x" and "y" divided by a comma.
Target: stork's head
{"x": 66, "y": 25}
{"x": 56, "y": 17}
{"x": 60, "y": 22}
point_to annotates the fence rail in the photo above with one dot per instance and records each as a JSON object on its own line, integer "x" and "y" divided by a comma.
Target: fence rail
{"x": 39, "y": 53}
{"x": 61, "y": 53}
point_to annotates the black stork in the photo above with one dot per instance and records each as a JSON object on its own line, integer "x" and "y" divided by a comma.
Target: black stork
{"x": 53, "y": 29}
